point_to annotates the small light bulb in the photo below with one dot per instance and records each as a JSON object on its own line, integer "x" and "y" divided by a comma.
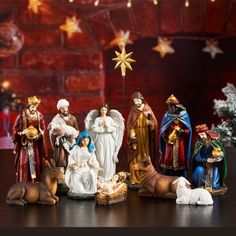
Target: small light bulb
{"x": 5, "y": 84}
{"x": 96, "y": 3}
{"x": 129, "y": 3}
{"x": 155, "y": 2}
{"x": 186, "y": 3}
{"x": 71, "y": 0}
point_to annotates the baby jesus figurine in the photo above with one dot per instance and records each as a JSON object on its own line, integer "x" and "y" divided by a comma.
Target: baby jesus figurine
{"x": 109, "y": 187}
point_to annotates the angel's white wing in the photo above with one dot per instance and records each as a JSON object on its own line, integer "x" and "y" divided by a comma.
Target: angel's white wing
{"x": 89, "y": 121}
{"x": 90, "y": 118}
{"x": 119, "y": 134}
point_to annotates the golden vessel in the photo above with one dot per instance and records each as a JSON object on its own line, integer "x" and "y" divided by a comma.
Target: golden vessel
{"x": 32, "y": 132}
{"x": 216, "y": 152}
{"x": 173, "y": 135}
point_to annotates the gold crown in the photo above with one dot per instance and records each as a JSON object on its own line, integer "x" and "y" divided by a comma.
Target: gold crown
{"x": 33, "y": 101}
{"x": 201, "y": 128}
{"x": 172, "y": 100}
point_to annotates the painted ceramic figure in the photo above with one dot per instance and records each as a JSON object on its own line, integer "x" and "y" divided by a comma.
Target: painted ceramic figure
{"x": 141, "y": 129}
{"x": 209, "y": 161}
{"x": 30, "y": 150}
{"x": 43, "y": 192}
{"x": 82, "y": 170}
{"x": 175, "y": 139}
{"x": 153, "y": 183}
{"x": 63, "y": 131}
{"x": 107, "y": 129}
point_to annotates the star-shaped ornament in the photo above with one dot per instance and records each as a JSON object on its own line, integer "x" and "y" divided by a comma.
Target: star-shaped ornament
{"x": 121, "y": 39}
{"x": 212, "y": 48}
{"x": 164, "y": 47}
{"x": 71, "y": 26}
{"x": 33, "y": 5}
{"x": 123, "y": 61}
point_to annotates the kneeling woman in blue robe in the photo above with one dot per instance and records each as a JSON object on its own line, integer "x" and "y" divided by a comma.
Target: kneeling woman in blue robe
{"x": 209, "y": 162}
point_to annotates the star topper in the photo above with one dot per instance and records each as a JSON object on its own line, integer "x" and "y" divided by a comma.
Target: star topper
{"x": 121, "y": 39}
{"x": 33, "y": 5}
{"x": 71, "y": 26}
{"x": 164, "y": 47}
{"x": 123, "y": 61}
{"x": 212, "y": 48}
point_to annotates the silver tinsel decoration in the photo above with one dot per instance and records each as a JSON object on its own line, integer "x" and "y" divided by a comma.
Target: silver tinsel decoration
{"x": 226, "y": 109}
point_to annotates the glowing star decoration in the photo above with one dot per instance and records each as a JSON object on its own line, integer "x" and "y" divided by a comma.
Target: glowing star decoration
{"x": 121, "y": 39}
{"x": 33, "y": 6}
{"x": 123, "y": 61}
{"x": 163, "y": 47}
{"x": 212, "y": 48}
{"x": 71, "y": 26}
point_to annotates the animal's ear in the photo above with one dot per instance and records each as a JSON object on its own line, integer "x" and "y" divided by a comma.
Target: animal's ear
{"x": 184, "y": 179}
{"x": 149, "y": 159}
{"x": 175, "y": 181}
{"x": 47, "y": 164}
{"x": 52, "y": 162}
{"x": 187, "y": 182}
{"x": 181, "y": 179}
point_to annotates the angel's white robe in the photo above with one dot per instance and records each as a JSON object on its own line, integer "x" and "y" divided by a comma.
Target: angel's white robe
{"x": 105, "y": 146}
{"x": 82, "y": 180}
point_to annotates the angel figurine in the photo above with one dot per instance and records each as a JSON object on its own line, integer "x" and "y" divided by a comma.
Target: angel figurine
{"x": 107, "y": 130}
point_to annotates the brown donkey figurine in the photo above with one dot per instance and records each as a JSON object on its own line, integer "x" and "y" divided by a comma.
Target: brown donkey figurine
{"x": 153, "y": 183}
{"x": 42, "y": 192}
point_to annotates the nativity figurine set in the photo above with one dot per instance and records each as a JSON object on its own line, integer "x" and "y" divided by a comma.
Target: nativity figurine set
{"x": 84, "y": 162}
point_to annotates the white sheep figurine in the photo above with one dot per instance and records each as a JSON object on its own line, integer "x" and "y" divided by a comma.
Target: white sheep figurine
{"x": 198, "y": 196}
{"x": 61, "y": 130}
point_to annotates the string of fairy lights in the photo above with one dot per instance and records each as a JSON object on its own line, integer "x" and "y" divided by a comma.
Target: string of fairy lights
{"x": 123, "y": 59}
{"x": 155, "y": 2}
{"x": 121, "y": 38}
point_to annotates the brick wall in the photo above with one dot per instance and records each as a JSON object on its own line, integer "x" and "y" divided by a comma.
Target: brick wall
{"x": 80, "y": 69}
{"x": 50, "y": 65}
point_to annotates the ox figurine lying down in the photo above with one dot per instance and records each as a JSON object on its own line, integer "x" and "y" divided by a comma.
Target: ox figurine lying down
{"x": 153, "y": 183}
{"x": 42, "y": 192}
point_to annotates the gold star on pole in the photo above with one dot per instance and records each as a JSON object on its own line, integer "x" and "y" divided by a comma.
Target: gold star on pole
{"x": 71, "y": 26}
{"x": 212, "y": 48}
{"x": 33, "y": 5}
{"x": 121, "y": 39}
{"x": 163, "y": 47}
{"x": 123, "y": 61}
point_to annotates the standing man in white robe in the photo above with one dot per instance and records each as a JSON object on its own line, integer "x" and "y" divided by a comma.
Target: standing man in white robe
{"x": 61, "y": 150}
